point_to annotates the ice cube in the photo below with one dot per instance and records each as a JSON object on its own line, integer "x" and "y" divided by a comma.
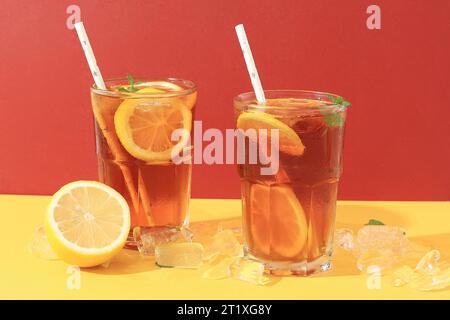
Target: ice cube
{"x": 233, "y": 224}
{"x": 223, "y": 243}
{"x": 381, "y": 246}
{"x": 180, "y": 255}
{"x": 249, "y": 271}
{"x": 428, "y": 275}
{"x": 40, "y": 247}
{"x": 218, "y": 268}
{"x": 403, "y": 275}
{"x": 344, "y": 239}
{"x": 376, "y": 260}
{"x": 381, "y": 237}
{"x": 429, "y": 264}
{"x": 148, "y": 238}
{"x": 433, "y": 273}
{"x": 430, "y": 283}
{"x": 204, "y": 230}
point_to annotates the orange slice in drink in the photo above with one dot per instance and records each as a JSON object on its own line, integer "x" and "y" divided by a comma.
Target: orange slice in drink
{"x": 289, "y": 141}
{"x": 278, "y": 224}
{"x": 144, "y": 126}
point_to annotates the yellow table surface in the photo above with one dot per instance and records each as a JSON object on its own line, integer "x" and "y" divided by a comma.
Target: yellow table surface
{"x": 22, "y": 276}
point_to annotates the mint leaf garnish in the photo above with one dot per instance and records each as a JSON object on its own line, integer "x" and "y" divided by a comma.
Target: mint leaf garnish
{"x": 131, "y": 80}
{"x": 131, "y": 87}
{"x": 374, "y": 222}
{"x": 338, "y": 100}
{"x": 335, "y": 119}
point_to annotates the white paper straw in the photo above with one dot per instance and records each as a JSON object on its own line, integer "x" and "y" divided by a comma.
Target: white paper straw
{"x": 82, "y": 35}
{"x": 251, "y": 67}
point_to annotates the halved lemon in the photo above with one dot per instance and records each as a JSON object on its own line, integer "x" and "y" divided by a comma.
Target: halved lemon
{"x": 87, "y": 223}
{"x": 289, "y": 141}
{"x": 277, "y": 221}
{"x": 145, "y": 126}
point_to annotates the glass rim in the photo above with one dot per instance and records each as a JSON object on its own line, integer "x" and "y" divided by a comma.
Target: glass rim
{"x": 191, "y": 87}
{"x": 241, "y": 99}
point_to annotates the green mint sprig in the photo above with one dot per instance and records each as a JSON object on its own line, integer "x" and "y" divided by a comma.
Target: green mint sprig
{"x": 131, "y": 87}
{"x": 335, "y": 119}
{"x": 374, "y": 222}
{"x": 338, "y": 100}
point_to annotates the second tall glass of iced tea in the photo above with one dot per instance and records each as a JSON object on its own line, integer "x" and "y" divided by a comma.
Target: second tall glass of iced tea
{"x": 134, "y": 122}
{"x": 288, "y": 216}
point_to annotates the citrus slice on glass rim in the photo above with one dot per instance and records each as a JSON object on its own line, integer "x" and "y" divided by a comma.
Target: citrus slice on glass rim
{"x": 144, "y": 126}
{"x": 87, "y": 223}
{"x": 189, "y": 100}
{"x": 289, "y": 141}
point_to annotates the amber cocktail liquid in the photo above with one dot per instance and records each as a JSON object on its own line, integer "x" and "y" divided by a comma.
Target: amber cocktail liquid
{"x": 288, "y": 217}
{"x": 134, "y": 122}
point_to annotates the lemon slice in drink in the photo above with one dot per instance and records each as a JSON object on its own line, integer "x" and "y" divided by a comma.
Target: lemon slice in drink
{"x": 188, "y": 100}
{"x": 289, "y": 141}
{"x": 164, "y": 85}
{"x": 278, "y": 222}
{"x": 87, "y": 223}
{"x": 144, "y": 126}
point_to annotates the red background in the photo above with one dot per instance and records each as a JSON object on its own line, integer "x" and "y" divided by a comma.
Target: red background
{"x": 397, "y": 78}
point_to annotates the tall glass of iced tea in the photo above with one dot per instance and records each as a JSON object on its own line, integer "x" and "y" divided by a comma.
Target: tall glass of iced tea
{"x": 288, "y": 216}
{"x": 134, "y": 122}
